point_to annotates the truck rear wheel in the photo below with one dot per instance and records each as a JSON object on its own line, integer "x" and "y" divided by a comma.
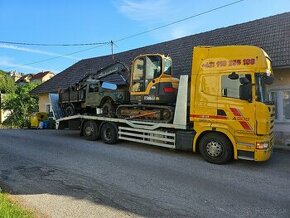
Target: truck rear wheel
{"x": 91, "y": 130}
{"x": 109, "y": 133}
{"x": 216, "y": 148}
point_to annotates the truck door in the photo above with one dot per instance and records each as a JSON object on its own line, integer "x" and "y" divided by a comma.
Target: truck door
{"x": 206, "y": 96}
{"x": 235, "y": 102}
{"x": 92, "y": 94}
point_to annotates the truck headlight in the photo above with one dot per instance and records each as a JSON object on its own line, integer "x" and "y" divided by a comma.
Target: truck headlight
{"x": 262, "y": 145}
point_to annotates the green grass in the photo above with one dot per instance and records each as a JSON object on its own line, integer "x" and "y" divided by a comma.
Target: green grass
{"x": 8, "y": 209}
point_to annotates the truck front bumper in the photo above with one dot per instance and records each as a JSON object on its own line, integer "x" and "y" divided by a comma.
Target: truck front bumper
{"x": 263, "y": 155}
{"x": 258, "y": 149}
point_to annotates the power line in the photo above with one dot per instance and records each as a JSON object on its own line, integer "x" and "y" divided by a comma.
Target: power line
{"x": 179, "y": 21}
{"x": 59, "y": 56}
{"x": 54, "y": 45}
{"x": 98, "y": 44}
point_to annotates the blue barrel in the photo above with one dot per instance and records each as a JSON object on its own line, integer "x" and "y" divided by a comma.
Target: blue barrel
{"x": 45, "y": 124}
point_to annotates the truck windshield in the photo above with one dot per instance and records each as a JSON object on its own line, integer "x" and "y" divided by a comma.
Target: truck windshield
{"x": 262, "y": 87}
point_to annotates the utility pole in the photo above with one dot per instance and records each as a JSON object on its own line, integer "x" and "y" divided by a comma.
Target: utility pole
{"x": 112, "y": 49}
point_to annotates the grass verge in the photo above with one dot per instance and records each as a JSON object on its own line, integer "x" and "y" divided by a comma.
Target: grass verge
{"x": 8, "y": 209}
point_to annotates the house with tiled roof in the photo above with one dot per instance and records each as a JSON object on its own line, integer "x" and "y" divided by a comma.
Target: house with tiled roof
{"x": 42, "y": 77}
{"x": 38, "y": 78}
{"x": 24, "y": 79}
{"x": 270, "y": 33}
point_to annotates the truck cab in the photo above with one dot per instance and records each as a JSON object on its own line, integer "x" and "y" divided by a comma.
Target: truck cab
{"x": 230, "y": 102}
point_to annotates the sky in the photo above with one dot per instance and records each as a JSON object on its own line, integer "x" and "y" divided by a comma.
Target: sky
{"x": 99, "y": 21}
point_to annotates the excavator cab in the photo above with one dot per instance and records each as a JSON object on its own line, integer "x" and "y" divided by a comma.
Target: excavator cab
{"x": 151, "y": 80}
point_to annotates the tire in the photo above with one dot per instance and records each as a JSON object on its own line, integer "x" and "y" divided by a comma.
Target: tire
{"x": 216, "y": 148}
{"x": 69, "y": 110}
{"x": 108, "y": 109}
{"x": 109, "y": 133}
{"x": 91, "y": 131}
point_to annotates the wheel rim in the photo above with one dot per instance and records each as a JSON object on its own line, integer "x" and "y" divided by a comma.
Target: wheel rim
{"x": 214, "y": 149}
{"x": 88, "y": 130}
{"x": 108, "y": 134}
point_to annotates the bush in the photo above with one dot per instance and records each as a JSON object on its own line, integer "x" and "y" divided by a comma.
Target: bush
{"x": 20, "y": 104}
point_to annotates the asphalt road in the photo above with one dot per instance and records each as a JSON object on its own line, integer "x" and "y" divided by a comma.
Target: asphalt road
{"x": 59, "y": 174}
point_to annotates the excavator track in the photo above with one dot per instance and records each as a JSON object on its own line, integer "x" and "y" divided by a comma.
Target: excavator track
{"x": 141, "y": 112}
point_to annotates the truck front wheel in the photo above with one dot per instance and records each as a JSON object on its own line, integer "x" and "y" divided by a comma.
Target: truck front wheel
{"x": 109, "y": 133}
{"x": 109, "y": 109}
{"x": 216, "y": 148}
{"x": 91, "y": 130}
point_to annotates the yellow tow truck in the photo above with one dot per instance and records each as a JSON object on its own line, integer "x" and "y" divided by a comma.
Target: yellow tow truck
{"x": 225, "y": 114}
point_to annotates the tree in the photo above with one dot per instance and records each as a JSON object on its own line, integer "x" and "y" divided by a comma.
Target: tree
{"x": 7, "y": 85}
{"x": 20, "y": 104}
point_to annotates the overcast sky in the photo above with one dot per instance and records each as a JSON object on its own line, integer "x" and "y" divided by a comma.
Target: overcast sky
{"x": 88, "y": 21}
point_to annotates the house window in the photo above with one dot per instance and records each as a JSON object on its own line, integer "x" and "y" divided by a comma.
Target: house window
{"x": 282, "y": 104}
